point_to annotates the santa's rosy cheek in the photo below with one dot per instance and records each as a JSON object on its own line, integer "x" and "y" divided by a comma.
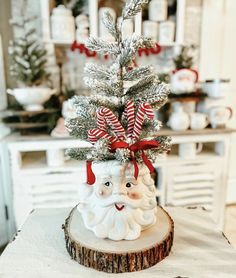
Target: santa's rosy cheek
{"x": 103, "y": 193}
{"x": 135, "y": 195}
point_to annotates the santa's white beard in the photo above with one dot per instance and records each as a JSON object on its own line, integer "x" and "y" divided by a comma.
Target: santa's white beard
{"x": 106, "y": 221}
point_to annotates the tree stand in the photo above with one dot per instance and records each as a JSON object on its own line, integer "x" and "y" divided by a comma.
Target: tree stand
{"x": 107, "y": 255}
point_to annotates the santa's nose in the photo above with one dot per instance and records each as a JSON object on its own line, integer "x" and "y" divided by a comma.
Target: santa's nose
{"x": 119, "y": 190}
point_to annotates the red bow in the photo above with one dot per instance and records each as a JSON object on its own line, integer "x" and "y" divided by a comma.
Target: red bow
{"x": 138, "y": 146}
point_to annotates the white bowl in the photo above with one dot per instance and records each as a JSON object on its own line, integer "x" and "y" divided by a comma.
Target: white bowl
{"x": 32, "y": 98}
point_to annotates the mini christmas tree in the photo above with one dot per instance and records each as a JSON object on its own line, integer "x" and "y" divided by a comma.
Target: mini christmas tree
{"x": 185, "y": 59}
{"x": 28, "y": 57}
{"x": 118, "y": 200}
{"x": 111, "y": 90}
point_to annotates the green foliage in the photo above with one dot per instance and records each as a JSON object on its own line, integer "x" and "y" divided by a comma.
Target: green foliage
{"x": 185, "y": 60}
{"x": 109, "y": 89}
{"x": 78, "y": 7}
{"x": 28, "y": 57}
{"x": 132, "y": 7}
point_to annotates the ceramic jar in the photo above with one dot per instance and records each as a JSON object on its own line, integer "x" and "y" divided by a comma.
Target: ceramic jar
{"x": 62, "y": 24}
{"x": 178, "y": 120}
{"x": 157, "y": 10}
{"x": 198, "y": 121}
{"x": 216, "y": 88}
{"x": 166, "y": 32}
{"x": 219, "y": 116}
{"x": 150, "y": 29}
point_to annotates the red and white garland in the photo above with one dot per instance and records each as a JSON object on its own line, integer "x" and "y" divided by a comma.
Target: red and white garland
{"x": 88, "y": 53}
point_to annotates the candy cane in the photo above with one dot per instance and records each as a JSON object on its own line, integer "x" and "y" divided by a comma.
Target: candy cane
{"x": 144, "y": 109}
{"x": 129, "y": 114}
{"x": 96, "y": 133}
{"x": 106, "y": 116}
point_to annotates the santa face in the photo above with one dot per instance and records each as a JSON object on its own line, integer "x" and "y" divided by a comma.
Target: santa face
{"x": 118, "y": 206}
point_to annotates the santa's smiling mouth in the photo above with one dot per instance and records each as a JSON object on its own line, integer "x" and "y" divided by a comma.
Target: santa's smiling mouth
{"x": 119, "y": 206}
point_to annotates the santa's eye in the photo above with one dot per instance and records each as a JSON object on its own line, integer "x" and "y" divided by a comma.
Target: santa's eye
{"x": 108, "y": 184}
{"x": 129, "y": 185}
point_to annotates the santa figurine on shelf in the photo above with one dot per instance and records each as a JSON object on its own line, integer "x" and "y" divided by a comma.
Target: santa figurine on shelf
{"x": 184, "y": 77}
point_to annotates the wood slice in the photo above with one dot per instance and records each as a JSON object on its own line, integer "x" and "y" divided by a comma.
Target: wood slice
{"x": 107, "y": 255}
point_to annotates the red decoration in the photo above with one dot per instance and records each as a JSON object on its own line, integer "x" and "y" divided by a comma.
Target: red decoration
{"x": 96, "y": 133}
{"x": 138, "y": 146}
{"x": 106, "y": 117}
{"x": 144, "y": 109}
{"x": 129, "y": 114}
{"x": 192, "y": 70}
{"x": 90, "y": 175}
{"x": 84, "y": 50}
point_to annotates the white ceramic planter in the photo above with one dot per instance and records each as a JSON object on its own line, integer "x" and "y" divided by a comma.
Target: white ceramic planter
{"x": 117, "y": 206}
{"x": 32, "y": 98}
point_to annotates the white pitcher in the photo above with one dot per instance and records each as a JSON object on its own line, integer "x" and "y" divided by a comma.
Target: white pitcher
{"x": 179, "y": 120}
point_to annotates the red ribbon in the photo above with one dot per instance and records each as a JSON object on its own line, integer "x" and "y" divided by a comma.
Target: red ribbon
{"x": 90, "y": 175}
{"x": 138, "y": 146}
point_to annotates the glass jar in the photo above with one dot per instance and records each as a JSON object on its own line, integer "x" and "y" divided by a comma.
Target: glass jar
{"x": 157, "y": 10}
{"x": 62, "y": 24}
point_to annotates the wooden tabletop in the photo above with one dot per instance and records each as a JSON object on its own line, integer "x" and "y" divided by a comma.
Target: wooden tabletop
{"x": 199, "y": 250}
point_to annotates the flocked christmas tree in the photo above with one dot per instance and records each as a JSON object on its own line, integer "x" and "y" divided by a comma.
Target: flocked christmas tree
{"x": 28, "y": 56}
{"x": 118, "y": 201}
{"x": 123, "y": 91}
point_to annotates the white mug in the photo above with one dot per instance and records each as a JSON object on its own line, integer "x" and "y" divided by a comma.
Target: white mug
{"x": 189, "y": 150}
{"x": 198, "y": 121}
{"x": 219, "y": 116}
{"x": 216, "y": 88}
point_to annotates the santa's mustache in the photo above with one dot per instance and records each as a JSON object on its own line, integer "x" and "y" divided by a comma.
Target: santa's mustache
{"x": 123, "y": 200}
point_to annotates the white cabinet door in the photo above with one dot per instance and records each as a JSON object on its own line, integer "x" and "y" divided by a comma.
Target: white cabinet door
{"x": 217, "y": 52}
{"x": 3, "y": 220}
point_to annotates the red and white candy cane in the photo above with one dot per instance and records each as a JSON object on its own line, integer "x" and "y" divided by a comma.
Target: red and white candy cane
{"x": 144, "y": 109}
{"x": 129, "y": 114}
{"x": 106, "y": 117}
{"x": 96, "y": 133}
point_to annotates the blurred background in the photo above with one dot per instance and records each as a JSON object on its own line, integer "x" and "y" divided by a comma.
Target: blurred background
{"x": 42, "y": 56}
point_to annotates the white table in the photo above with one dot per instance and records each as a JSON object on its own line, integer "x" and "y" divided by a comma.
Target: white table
{"x": 199, "y": 250}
